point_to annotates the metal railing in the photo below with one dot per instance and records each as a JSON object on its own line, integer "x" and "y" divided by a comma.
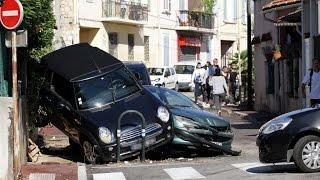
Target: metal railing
{"x": 125, "y": 10}
{"x": 196, "y": 19}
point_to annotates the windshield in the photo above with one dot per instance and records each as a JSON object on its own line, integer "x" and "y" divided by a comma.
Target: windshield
{"x": 184, "y": 69}
{"x": 142, "y": 74}
{"x": 102, "y": 90}
{"x": 156, "y": 71}
{"x": 173, "y": 98}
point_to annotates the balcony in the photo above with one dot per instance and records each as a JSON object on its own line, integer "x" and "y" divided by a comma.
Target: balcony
{"x": 124, "y": 12}
{"x": 195, "y": 21}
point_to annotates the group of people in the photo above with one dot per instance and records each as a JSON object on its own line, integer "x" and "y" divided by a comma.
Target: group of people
{"x": 211, "y": 84}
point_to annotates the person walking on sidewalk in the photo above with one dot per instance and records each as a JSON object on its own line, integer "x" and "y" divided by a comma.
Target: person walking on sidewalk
{"x": 312, "y": 79}
{"x": 219, "y": 89}
{"x": 209, "y": 73}
{"x": 198, "y": 79}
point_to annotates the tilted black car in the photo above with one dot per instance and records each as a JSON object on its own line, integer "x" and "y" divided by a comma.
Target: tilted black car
{"x": 140, "y": 71}
{"x": 294, "y": 136}
{"x": 193, "y": 127}
{"x": 87, "y": 90}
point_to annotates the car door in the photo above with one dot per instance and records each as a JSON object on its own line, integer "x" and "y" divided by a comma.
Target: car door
{"x": 66, "y": 116}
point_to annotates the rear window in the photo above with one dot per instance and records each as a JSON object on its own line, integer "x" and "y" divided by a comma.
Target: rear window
{"x": 184, "y": 69}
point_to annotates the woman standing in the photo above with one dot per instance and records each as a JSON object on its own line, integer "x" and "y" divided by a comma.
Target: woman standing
{"x": 219, "y": 89}
{"x": 198, "y": 79}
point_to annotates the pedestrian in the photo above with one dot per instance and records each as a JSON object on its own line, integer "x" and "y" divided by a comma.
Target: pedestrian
{"x": 312, "y": 79}
{"x": 219, "y": 89}
{"x": 233, "y": 77}
{"x": 209, "y": 73}
{"x": 198, "y": 79}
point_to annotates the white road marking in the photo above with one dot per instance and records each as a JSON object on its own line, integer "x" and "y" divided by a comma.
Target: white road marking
{"x": 41, "y": 176}
{"x": 109, "y": 176}
{"x": 10, "y": 13}
{"x": 82, "y": 173}
{"x": 257, "y": 168}
{"x": 183, "y": 173}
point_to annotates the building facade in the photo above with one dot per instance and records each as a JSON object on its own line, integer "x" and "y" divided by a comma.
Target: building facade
{"x": 158, "y": 32}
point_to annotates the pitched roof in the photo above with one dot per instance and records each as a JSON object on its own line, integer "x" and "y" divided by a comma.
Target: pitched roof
{"x": 279, "y": 3}
{"x": 78, "y": 60}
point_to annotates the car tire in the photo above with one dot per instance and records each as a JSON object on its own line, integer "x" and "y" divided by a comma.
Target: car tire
{"x": 90, "y": 153}
{"x": 176, "y": 87}
{"x": 307, "y": 146}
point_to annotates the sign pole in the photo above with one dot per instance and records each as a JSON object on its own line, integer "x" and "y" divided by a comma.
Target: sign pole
{"x": 15, "y": 104}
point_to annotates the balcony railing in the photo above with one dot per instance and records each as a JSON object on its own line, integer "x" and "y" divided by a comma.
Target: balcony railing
{"x": 196, "y": 19}
{"x": 125, "y": 10}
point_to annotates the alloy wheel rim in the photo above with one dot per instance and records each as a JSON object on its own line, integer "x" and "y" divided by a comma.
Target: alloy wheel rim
{"x": 311, "y": 155}
{"x": 89, "y": 152}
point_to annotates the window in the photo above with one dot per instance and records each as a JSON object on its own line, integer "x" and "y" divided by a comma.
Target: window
{"x": 270, "y": 76}
{"x": 244, "y": 12}
{"x": 166, "y": 5}
{"x": 172, "y": 71}
{"x": 167, "y": 72}
{"x": 130, "y": 46}
{"x": 182, "y": 5}
{"x": 113, "y": 44}
{"x": 146, "y": 48}
{"x": 63, "y": 88}
{"x": 230, "y": 10}
{"x": 105, "y": 89}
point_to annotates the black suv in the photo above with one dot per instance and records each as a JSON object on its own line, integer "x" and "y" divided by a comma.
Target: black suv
{"x": 140, "y": 71}
{"x": 86, "y": 91}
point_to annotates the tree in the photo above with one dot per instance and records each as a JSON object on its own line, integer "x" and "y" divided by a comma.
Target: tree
{"x": 39, "y": 22}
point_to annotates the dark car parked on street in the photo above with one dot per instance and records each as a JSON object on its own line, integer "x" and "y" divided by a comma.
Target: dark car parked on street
{"x": 139, "y": 70}
{"x": 294, "y": 136}
{"x": 85, "y": 92}
{"x": 195, "y": 128}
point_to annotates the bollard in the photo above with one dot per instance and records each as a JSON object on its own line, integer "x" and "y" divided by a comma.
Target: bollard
{"x": 143, "y": 134}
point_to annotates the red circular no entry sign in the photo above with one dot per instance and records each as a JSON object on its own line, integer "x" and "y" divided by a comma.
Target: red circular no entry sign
{"x": 11, "y": 14}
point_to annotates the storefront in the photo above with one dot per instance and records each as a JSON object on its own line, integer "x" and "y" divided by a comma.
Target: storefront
{"x": 189, "y": 48}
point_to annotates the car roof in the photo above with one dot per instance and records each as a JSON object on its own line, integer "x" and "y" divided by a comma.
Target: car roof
{"x": 78, "y": 60}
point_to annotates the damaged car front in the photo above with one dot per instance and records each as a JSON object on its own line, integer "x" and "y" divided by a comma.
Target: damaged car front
{"x": 193, "y": 127}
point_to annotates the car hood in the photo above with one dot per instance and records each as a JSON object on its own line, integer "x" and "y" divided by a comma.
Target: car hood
{"x": 299, "y": 112}
{"x": 200, "y": 116}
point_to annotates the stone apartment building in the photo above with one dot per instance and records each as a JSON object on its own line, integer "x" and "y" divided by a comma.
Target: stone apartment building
{"x": 158, "y": 32}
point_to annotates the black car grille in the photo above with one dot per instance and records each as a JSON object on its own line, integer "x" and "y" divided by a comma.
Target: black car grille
{"x": 225, "y": 129}
{"x": 135, "y": 132}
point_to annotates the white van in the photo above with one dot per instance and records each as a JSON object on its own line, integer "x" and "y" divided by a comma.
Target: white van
{"x": 164, "y": 76}
{"x": 184, "y": 72}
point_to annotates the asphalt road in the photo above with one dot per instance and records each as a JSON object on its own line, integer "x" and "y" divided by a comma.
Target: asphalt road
{"x": 246, "y": 166}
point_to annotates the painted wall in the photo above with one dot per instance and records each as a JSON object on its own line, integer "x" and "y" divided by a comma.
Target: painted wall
{"x": 263, "y": 101}
{"x": 5, "y": 139}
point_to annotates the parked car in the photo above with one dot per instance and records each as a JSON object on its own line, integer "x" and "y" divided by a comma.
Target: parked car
{"x": 185, "y": 72}
{"x": 194, "y": 127}
{"x": 164, "y": 76}
{"x": 294, "y": 136}
{"x": 86, "y": 91}
{"x": 140, "y": 71}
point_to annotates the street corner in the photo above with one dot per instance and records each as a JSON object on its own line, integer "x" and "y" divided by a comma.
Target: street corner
{"x": 49, "y": 171}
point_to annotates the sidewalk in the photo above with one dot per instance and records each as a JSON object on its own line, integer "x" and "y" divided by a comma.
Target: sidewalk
{"x": 49, "y": 171}
{"x": 253, "y": 116}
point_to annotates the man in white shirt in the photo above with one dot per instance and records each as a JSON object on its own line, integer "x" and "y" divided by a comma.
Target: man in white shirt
{"x": 312, "y": 79}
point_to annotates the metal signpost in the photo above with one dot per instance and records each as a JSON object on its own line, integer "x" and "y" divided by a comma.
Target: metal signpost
{"x": 11, "y": 15}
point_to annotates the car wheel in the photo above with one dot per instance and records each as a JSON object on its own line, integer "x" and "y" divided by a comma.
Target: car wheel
{"x": 306, "y": 154}
{"x": 176, "y": 87}
{"x": 90, "y": 153}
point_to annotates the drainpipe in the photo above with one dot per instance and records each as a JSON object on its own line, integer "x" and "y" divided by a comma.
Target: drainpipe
{"x": 302, "y": 66}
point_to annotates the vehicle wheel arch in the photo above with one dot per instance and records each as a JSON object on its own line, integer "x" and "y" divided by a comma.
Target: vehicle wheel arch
{"x": 86, "y": 135}
{"x": 310, "y": 132}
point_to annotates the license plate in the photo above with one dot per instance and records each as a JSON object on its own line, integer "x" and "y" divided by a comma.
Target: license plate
{"x": 139, "y": 146}
{"x": 217, "y": 143}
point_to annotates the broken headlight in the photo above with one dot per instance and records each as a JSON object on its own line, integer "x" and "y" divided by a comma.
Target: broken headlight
{"x": 183, "y": 122}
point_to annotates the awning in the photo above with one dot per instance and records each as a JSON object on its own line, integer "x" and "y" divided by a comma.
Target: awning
{"x": 280, "y": 4}
{"x": 291, "y": 19}
{"x": 256, "y": 40}
{"x": 189, "y": 41}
